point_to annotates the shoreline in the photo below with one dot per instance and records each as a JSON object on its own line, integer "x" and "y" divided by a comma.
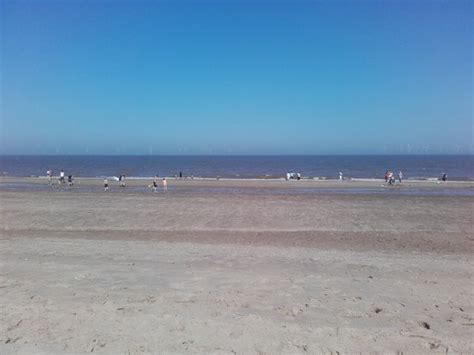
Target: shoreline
{"x": 280, "y": 183}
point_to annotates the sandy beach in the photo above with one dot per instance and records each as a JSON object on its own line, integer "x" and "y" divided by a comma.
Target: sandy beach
{"x": 236, "y": 177}
{"x": 230, "y": 273}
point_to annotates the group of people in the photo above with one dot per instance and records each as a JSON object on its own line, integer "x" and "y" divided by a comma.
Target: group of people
{"x": 121, "y": 180}
{"x": 164, "y": 182}
{"x": 390, "y": 177}
{"x": 153, "y": 186}
{"x": 293, "y": 176}
{"x": 61, "y": 178}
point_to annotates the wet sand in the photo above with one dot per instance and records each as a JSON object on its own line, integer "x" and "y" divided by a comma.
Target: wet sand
{"x": 226, "y": 273}
{"x": 251, "y": 183}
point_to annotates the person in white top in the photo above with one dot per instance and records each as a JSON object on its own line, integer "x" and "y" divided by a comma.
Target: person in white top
{"x": 341, "y": 176}
{"x": 61, "y": 177}
{"x": 165, "y": 185}
{"x": 391, "y": 179}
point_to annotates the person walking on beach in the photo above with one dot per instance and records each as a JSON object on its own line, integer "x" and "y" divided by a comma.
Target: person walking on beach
{"x": 122, "y": 180}
{"x": 165, "y": 185}
{"x": 70, "y": 180}
{"x": 61, "y": 177}
{"x": 49, "y": 173}
{"x": 386, "y": 176}
{"x": 444, "y": 177}
{"x": 391, "y": 179}
{"x": 106, "y": 185}
{"x": 341, "y": 176}
{"x": 180, "y": 174}
{"x": 400, "y": 176}
{"x": 154, "y": 184}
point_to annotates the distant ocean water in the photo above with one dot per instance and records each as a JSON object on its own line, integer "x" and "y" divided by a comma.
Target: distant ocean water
{"x": 457, "y": 167}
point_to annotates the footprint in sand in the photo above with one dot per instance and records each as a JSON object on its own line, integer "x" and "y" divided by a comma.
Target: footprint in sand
{"x": 424, "y": 325}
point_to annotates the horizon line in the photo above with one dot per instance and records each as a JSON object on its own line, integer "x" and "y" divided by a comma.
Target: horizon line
{"x": 233, "y": 155}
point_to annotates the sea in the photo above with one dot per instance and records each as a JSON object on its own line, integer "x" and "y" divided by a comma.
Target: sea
{"x": 457, "y": 167}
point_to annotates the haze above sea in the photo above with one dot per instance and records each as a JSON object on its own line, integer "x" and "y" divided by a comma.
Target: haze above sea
{"x": 457, "y": 167}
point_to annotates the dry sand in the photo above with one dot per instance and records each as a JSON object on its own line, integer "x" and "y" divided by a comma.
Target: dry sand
{"x": 228, "y": 273}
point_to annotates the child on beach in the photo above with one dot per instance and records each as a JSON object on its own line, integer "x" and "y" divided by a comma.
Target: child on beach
{"x": 165, "y": 185}
{"x": 154, "y": 185}
{"x": 106, "y": 185}
{"x": 49, "y": 173}
{"x": 400, "y": 176}
{"x": 70, "y": 180}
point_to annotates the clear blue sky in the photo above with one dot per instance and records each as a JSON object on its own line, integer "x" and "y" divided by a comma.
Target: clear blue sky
{"x": 236, "y": 77}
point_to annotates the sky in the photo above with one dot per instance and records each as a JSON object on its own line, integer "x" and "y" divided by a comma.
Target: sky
{"x": 236, "y": 77}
